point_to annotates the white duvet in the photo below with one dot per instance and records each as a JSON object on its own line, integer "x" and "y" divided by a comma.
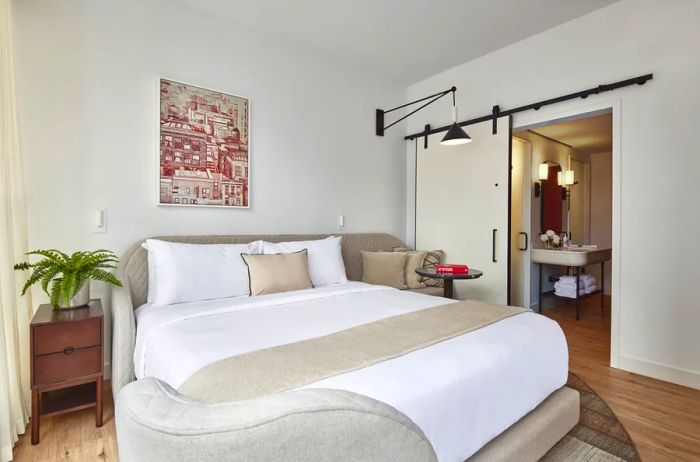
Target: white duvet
{"x": 461, "y": 392}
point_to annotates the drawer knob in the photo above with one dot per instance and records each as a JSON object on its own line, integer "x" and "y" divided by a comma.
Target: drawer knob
{"x": 68, "y": 350}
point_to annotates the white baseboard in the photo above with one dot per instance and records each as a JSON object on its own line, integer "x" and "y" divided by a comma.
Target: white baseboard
{"x": 660, "y": 371}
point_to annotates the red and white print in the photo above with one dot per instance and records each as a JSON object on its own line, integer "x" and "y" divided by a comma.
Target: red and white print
{"x": 203, "y": 147}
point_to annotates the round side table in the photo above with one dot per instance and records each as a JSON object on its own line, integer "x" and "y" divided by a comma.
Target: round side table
{"x": 448, "y": 278}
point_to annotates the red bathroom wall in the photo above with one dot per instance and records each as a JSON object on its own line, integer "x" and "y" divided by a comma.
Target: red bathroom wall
{"x": 551, "y": 198}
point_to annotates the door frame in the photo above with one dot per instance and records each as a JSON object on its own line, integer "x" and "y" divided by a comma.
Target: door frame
{"x": 526, "y": 213}
{"x": 576, "y": 109}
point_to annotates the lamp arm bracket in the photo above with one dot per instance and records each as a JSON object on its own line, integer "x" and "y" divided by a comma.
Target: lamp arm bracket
{"x": 380, "y": 113}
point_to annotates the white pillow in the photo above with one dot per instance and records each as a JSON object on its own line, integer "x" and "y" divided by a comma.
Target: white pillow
{"x": 180, "y": 273}
{"x": 325, "y": 258}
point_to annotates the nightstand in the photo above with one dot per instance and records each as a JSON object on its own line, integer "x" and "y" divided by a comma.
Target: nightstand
{"x": 67, "y": 361}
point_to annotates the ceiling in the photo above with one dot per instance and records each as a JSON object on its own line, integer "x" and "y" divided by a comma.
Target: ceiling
{"x": 404, "y": 40}
{"x": 590, "y": 135}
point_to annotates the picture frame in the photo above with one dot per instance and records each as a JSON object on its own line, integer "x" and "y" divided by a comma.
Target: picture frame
{"x": 204, "y": 147}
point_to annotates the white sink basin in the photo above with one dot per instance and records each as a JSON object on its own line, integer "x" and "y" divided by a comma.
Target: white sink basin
{"x": 570, "y": 257}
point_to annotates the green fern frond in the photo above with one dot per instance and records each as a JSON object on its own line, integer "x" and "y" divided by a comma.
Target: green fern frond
{"x": 55, "y": 294}
{"x": 48, "y": 276}
{"x": 36, "y": 275}
{"x": 44, "y": 262}
{"x": 104, "y": 276}
{"x": 68, "y": 287}
{"x": 80, "y": 281}
{"x": 51, "y": 254}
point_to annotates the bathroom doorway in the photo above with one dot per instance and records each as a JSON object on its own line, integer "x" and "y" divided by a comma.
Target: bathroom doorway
{"x": 562, "y": 221}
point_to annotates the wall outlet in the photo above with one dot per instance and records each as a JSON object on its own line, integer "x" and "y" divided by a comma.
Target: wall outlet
{"x": 100, "y": 223}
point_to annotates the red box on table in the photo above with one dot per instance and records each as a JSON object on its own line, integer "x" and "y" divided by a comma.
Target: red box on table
{"x": 451, "y": 268}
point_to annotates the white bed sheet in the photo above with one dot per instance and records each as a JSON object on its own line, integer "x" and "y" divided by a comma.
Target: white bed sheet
{"x": 461, "y": 392}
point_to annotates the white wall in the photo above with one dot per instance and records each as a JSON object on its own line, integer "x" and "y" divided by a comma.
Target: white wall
{"x": 658, "y": 176}
{"x": 87, "y": 74}
{"x": 579, "y": 202}
{"x": 601, "y": 208}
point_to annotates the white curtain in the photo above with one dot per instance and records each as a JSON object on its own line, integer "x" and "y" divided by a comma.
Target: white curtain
{"x": 15, "y": 311}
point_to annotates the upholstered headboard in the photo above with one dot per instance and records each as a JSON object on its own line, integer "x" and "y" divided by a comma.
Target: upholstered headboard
{"x": 133, "y": 272}
{"x": 134, "y": 263}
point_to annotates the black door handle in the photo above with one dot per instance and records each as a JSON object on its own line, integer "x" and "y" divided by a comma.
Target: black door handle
{"x": 493, "y": 245}
{"x": 527, "y": 243}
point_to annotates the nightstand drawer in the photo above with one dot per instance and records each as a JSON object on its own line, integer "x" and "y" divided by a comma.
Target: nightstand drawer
{"x": 54, "y": 338}
{"x": 70, "y": 364}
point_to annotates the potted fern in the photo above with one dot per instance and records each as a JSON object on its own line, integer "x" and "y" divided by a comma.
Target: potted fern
{"x": 66, "y": 278}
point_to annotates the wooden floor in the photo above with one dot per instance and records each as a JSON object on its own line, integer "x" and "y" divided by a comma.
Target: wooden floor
{"x": 663, "y": 419}
{"x": 73, "y": 437}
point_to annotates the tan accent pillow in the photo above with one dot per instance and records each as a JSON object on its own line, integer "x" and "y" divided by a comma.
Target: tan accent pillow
{"x": 414, "y": 260}
{"x": 280, "y": 272}
{"x": 430, "y": 259}
{"x": 384, "y": 268}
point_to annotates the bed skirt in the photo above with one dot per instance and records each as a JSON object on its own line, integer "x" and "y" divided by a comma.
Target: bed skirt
{"x": 531, "y": 437}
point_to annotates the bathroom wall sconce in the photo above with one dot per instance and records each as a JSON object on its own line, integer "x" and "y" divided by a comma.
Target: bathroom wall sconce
{"x": 566, "y": 180}
{"x": 542, "y": 174}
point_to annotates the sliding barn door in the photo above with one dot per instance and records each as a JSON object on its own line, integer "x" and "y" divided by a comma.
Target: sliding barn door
{"x": 462, "y": 197}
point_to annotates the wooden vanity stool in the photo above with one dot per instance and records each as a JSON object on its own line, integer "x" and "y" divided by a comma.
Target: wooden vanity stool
{"x": 67, "y": 361}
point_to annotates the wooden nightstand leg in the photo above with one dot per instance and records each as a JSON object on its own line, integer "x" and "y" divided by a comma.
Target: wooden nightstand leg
{"x": 35, "y": 415}
{"x": 98, "y": 407}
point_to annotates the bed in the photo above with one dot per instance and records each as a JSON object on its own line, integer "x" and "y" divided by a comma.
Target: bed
{"x": 489, "y": 394}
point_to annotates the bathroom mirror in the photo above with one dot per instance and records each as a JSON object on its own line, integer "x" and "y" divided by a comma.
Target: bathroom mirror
{"x": 553, "y": 209}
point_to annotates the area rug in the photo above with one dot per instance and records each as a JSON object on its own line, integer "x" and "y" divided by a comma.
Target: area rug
{"x": 599, "y": 435}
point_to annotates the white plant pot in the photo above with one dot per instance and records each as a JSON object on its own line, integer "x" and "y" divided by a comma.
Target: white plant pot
{"x": 82, "y": 298}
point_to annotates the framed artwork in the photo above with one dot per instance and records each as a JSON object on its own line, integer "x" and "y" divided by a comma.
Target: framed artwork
{"x": 204, "y": 157}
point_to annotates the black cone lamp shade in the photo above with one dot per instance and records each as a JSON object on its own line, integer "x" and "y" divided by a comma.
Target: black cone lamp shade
{"x": 455, "y": 135}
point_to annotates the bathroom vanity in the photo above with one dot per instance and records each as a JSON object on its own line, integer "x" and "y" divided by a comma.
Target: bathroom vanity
{"x": 576, "y": 259}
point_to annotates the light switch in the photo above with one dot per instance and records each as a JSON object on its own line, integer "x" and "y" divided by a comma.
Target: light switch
{"x": 100, "y": 225}
{"x": 341, "y": 221}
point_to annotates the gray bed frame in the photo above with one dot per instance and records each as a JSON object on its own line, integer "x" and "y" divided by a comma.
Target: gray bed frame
{"x": 154, "y": 422}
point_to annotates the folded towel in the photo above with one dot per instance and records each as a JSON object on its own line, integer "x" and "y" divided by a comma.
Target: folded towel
{"x": 581, "y": 281}
{"x": 582, "y": 277}
{"x": 571, "y": 293}
{"x": 572, "y": 285}
{"x": 568, "y": 293}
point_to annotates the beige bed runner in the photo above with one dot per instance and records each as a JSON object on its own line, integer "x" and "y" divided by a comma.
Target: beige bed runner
{"x": 290, "y": 366}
